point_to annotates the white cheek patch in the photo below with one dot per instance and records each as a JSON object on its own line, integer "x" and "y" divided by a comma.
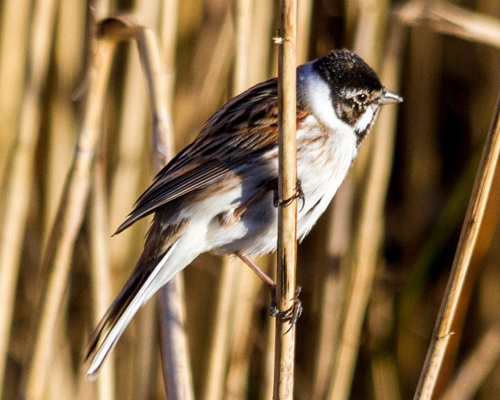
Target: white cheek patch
{"x": 366, "y": 119}
{"x": 317, "y": 94}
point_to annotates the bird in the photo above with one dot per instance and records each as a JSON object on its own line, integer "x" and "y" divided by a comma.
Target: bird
{"x": 219, "y": 194}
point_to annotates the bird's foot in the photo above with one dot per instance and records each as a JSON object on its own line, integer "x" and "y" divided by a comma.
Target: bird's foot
{"x": 292, "y": 314}
{"x": 299, "y": 194}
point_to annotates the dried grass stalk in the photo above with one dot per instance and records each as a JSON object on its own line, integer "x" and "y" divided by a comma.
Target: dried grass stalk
{"x": 287, "y": 216}
{"x": 20, "y": 171}
{"x": 472, "y": 223}
{"x": 101, "y": 273}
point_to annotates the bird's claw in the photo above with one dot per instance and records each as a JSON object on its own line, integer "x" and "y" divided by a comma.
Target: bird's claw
{"x": 299, "y": 194}
{"x": 292, "y": 314}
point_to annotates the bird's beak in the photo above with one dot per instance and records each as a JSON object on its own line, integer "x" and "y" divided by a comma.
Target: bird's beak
{"x": 389, "y": 97}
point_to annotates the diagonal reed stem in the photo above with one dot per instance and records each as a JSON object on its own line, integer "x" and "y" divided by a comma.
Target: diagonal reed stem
{"x": 472, "y": 223}
{"x": 284, "y": 358}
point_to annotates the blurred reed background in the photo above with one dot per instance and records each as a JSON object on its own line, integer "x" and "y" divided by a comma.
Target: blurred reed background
{"x": 372, "y": 272}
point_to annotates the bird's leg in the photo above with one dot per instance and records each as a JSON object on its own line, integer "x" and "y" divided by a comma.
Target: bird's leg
{"x": 299, "y": 194}
{"x": 294, "y": 312}
{"x": 261, "y": 274}
{"x": 230, "y": 218}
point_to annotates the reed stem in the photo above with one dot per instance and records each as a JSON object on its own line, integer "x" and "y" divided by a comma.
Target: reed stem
{"x": 287, "y": 216}
{"x": 472, "y": 223}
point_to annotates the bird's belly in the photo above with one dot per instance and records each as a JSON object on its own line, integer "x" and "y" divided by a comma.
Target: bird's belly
{"x": 256, "y": 231}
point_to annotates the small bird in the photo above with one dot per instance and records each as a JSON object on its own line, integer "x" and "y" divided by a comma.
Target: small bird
{"x": 219, "y": 193}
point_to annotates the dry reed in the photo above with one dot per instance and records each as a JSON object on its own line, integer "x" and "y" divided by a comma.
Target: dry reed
{"x": 472, "y": 223}
{"x": 101, "y": 271}
{"x": 284, "y": 356}
{"x": 19, "y": 172}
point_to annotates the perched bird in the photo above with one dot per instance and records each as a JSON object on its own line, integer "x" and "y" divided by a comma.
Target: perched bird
{"x": 219, "y": 193}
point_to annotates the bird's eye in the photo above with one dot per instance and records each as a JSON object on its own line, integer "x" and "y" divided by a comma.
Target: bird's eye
{"x": 361, "y": 98}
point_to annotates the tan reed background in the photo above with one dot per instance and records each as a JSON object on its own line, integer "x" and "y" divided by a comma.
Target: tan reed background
{"x": 374, "y": 270}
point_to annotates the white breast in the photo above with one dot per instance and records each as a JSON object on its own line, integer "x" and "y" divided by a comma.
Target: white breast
{"x": 321, "y": 170}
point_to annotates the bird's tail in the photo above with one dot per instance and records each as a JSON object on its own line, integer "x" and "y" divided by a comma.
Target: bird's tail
{"x": 134, "y": 294}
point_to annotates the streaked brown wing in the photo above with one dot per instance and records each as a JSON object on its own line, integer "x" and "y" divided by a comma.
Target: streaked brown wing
{"x": 244, "y": 127}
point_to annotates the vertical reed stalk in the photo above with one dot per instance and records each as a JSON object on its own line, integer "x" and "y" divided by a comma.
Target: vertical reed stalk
{"x": 101, "y": 272}
{"x": 287, "y": 216}
{"x": 59, "y": 248}
{"x": 472, "y": 223}
{"x": 19, "y": 174}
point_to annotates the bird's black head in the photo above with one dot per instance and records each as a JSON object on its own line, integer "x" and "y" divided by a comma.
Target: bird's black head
{"x": 355, "y": 89}
{"x": 343, "y": 69}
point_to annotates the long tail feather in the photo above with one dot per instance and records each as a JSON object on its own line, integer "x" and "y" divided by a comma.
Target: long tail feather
{"x": 131, "y": 298}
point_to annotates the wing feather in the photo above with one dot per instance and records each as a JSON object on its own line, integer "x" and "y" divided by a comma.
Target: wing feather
{"x": 243, "y": 128}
